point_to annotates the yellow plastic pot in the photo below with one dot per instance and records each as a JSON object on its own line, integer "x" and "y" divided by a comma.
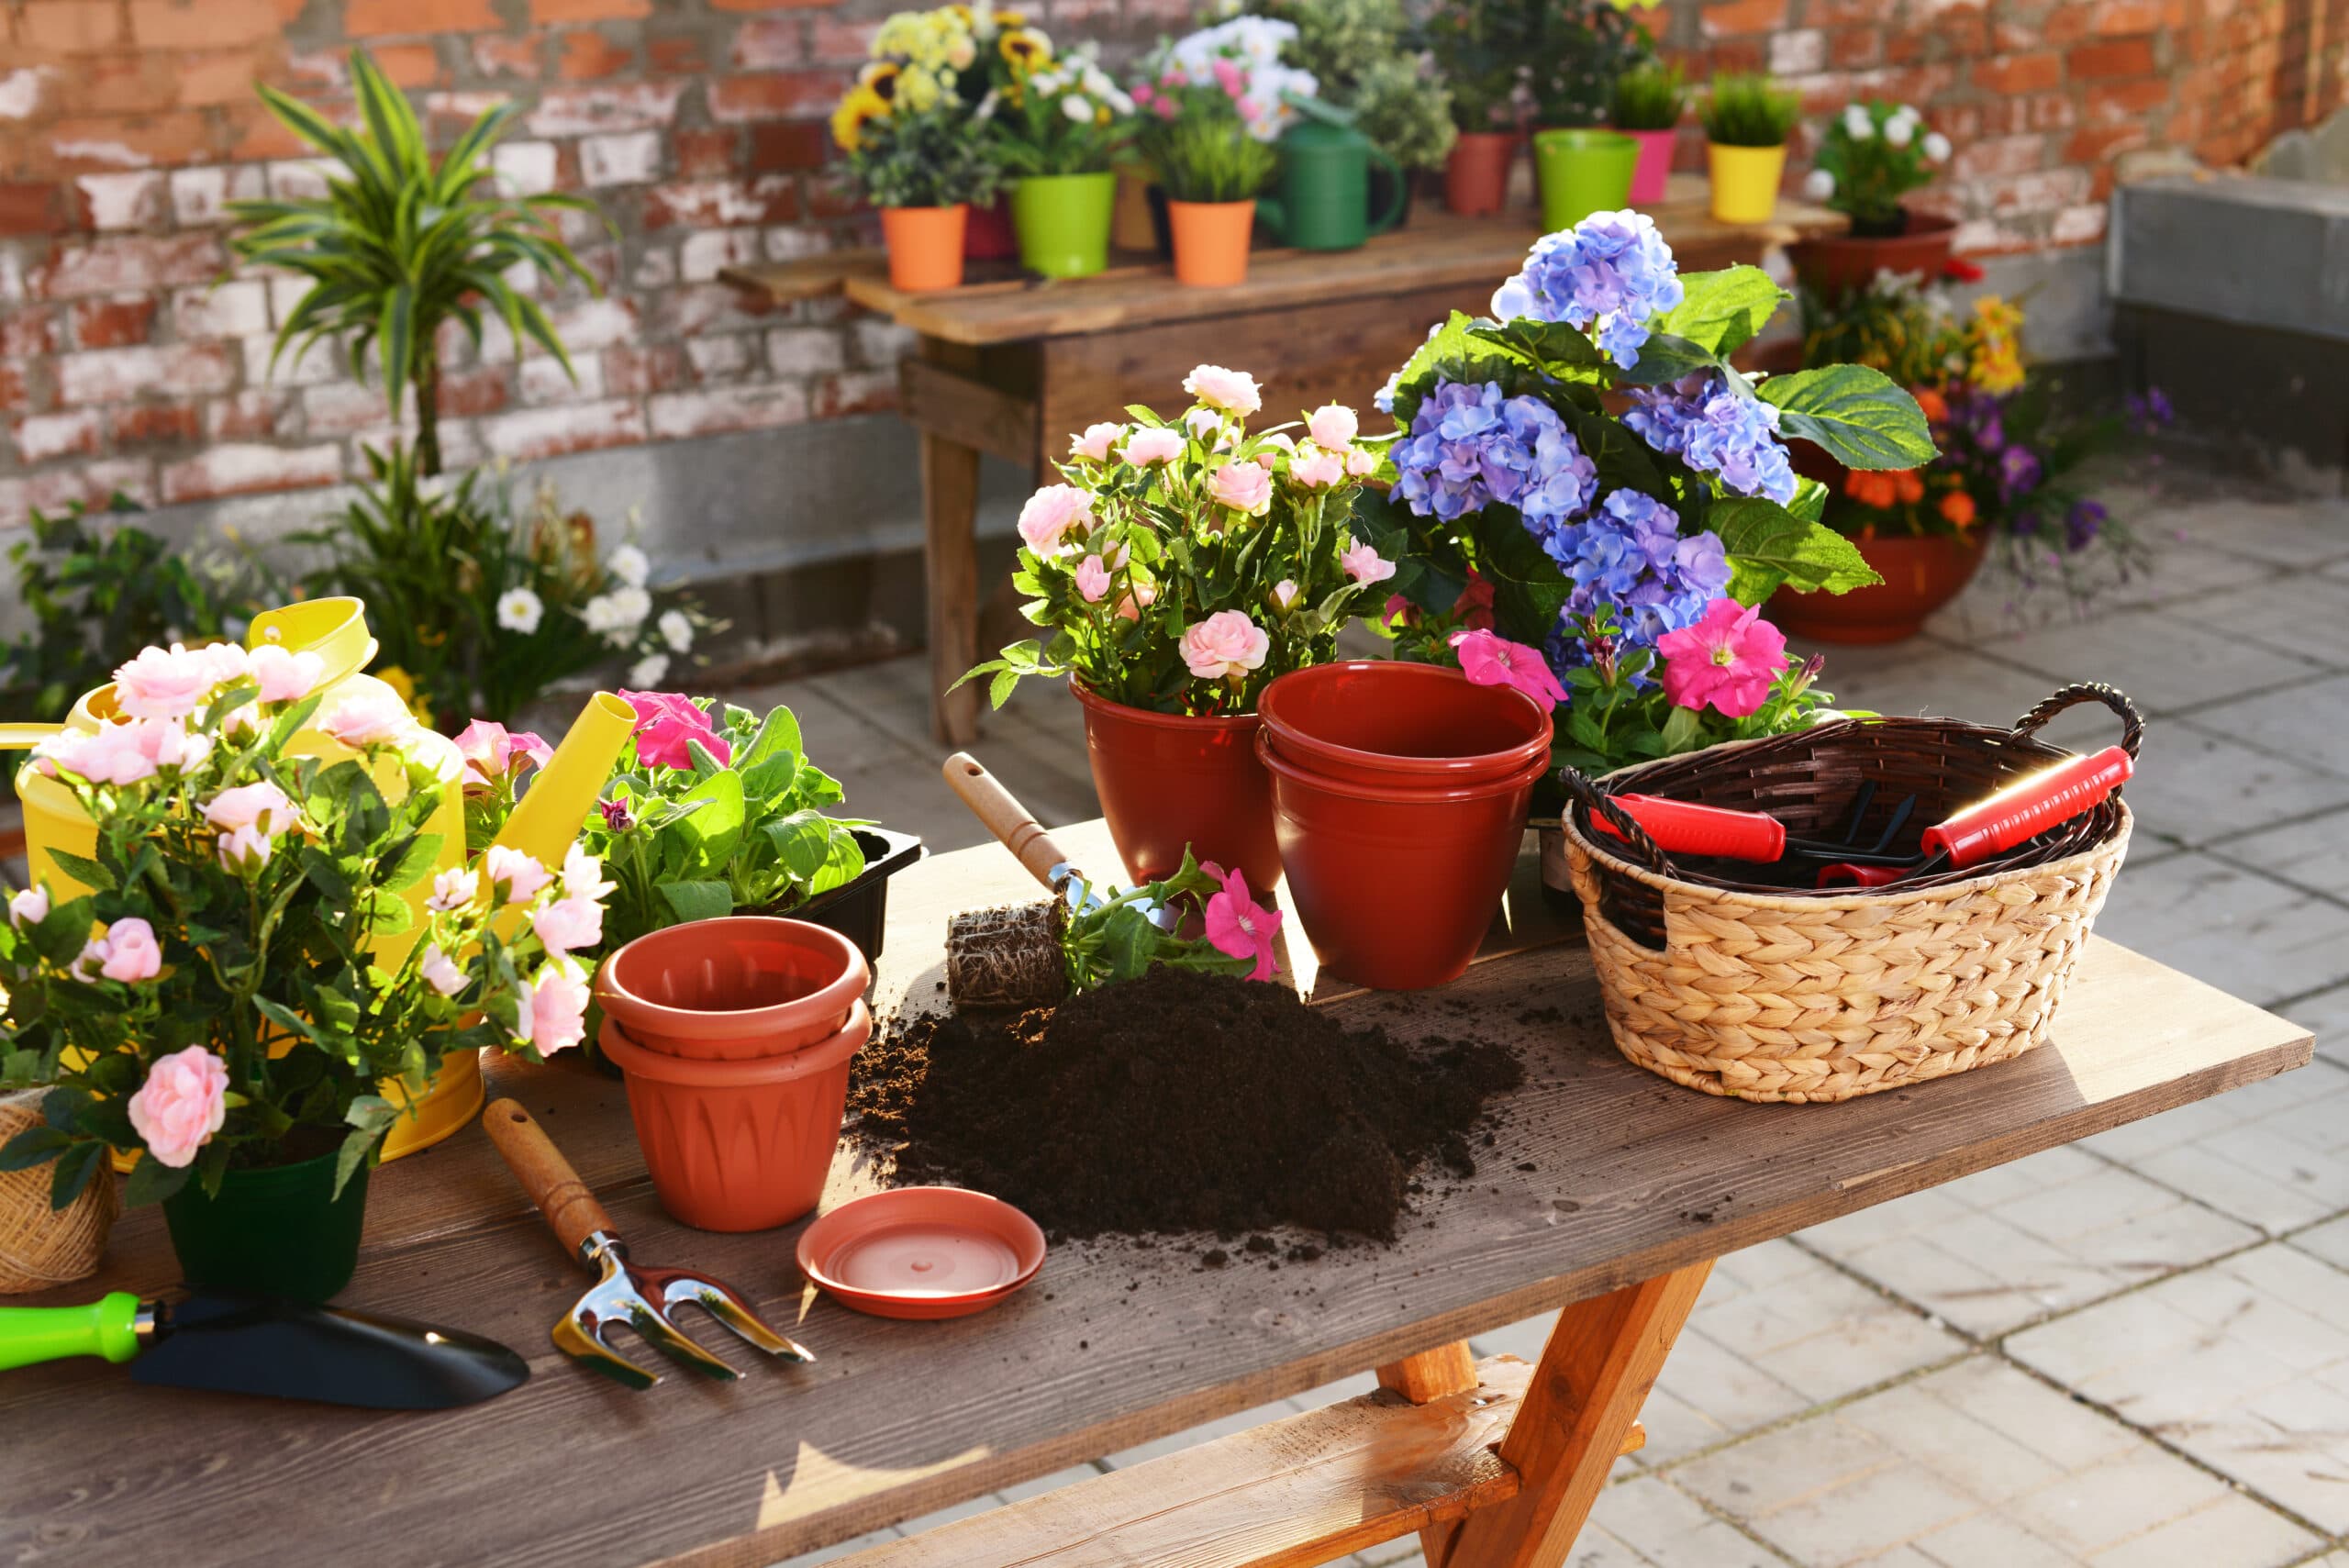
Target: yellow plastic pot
{"x": 543, "y": 825}
{"x": 1745, "y": 182}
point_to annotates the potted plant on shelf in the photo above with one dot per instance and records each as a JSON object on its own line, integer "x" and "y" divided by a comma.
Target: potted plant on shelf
{"x": 939, "y": 59}
{"x": 923, "y": 166}
{"x": 1592, "y": 496}
{"x": 2005, "y": 488}
{"x": 1212, "y": 169}
{"x": 1057, "y": 130}
{"x": 1747, "y": 119}
{"x": 1179, "y": 567}
{"x": 1365, "y": 60}
{"x": 1650, "y": 98}
{"x": 1480, "y": 47}
{"x": 1578, "y": 50}
{"x": 271, "y": 941}
{"x": 1873, "y": 154}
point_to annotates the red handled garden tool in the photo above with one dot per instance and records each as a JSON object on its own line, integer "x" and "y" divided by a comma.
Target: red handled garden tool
{"x": 629, "y": 1294}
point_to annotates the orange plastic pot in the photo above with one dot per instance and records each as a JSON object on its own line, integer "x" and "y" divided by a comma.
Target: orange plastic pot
{"x": 1396, "y": 887}
{"x": 1382, "y": 721}
{"x": 739, "y": 1145}
{"x": 1475, "y": 174}
{"x": 925, "y": 246}
{"x": 1166, "y": 779}
{"x": 737, "y": 989}
{"x": 1210, "y": 242}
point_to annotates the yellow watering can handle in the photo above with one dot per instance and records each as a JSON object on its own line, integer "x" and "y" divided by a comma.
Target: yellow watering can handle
{"x": 26, "y": 736}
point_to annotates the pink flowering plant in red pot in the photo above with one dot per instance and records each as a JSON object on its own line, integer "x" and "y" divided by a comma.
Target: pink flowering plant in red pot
{"x": 713, "y": 810}
{"x": 263, "y": 935}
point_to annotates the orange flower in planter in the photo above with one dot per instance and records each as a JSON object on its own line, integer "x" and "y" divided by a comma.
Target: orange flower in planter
{"x": 1958, "y": 508}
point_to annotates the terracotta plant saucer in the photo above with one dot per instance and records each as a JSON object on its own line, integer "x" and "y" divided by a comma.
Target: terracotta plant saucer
{"x": 922, "y": 1253}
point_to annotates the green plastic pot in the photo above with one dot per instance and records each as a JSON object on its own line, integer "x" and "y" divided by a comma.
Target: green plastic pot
{"x": 278, "y": 1231}
{"x": 1583, "y": 171}
{"x": 1062, "y": 221}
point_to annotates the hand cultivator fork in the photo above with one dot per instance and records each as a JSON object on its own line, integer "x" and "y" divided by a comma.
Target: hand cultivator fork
{"x": 633, "y": 1295}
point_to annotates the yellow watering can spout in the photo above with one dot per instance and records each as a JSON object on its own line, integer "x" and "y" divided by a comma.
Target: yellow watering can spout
{"x": 565, "y": 790}
{"x": 25, "y": 736}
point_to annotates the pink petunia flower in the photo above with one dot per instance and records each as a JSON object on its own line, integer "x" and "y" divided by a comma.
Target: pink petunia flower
{"x": 441, "y": 973}
{"x": 1148, "y": 448}
{"x": 665, "y": 723}
{"x": 1474, "y": 605}
{"x": 1490, "y": 660}
{"x": 180, "y": 1104}
{"x": 1364, "y": 564}
{"x": 554, "y": 1016}
{"x": 569, "y": 924}
{"x": 1234, "y": 392}
{"x": 1240, "y": 927}
{"x": 1226, "y": 643}
{"x": 1051, "y": 513}
{"x": 521, "y": 874}
{"x": 1727, "y": 660}
{"x": 491, "y": 752}
{"x": 1092, "y": 579}
{"x": 1243, "y": 486}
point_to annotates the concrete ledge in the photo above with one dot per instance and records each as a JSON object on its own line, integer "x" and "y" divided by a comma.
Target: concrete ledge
{"x": 2256, "y": 253}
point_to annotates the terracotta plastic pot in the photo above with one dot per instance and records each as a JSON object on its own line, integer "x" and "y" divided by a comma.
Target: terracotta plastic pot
{"x": 1475, "y": 175}
{"x": 1833, "y": 267}
{"x": 1745, "y": 182}
{"x": 988, "y": 236}
{"x": 1211, "y": 241}
{"x": 1166, "y": 779}
{"x": 1653, "y": 171}
{"x": 1920, "y": 576}
{"x": 739, "y": 1145}
{"x": 1382, "y": 721}
{"x": 925, "y": 246}
{"x": 737, "y": 989}
{"x": 1396, "y": 887}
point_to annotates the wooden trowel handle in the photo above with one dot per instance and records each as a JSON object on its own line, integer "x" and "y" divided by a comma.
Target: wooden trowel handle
{"x": 1000, "y": 812}
{"x": 545, "y": 1173}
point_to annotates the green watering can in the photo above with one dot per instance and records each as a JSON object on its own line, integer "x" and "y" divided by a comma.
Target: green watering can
{"x": 1324, "y": 193}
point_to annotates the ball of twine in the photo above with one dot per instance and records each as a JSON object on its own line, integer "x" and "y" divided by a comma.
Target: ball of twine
{"x": 40, "y": 1246}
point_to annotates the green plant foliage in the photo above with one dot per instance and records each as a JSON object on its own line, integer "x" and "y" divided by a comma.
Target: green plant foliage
{"x": 400, "y": 244}
{"x": 1749, "y": 110}
{"x": 1650, "y": 96}
{"x": 1204, "y": 154}
{"x": 1580, "y": 49}
{"x": 932, "y": 159}
{"x": 1482, "y": 50}
{"x": 1368, "y": 61}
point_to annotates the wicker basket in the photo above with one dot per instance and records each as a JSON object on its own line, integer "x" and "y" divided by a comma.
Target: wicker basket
{"x": 40, "y": 1247}
{"x": 1767, "y": 993}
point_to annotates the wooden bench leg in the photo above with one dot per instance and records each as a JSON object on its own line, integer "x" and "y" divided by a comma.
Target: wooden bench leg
{"x": 950, "y": 499}
{"x": 1431, "y": 1374}
{"x": 1602, "y": 1358}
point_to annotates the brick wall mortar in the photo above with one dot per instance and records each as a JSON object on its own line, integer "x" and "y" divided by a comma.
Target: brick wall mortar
{"x": 125, "y": 125}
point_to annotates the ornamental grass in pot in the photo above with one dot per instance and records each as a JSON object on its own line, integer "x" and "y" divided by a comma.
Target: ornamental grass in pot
{"x": 1212, "y": 169}
{"x": 253, "y": 959}
{"x": 1872, "y": 155}
{"x": 1747, "y": 120}
{"x": 1650, "y": 100}
{"x": 1179, "y": 567}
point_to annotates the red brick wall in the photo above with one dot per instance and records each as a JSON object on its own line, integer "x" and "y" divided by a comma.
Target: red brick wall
{"x": 126, "y": 124}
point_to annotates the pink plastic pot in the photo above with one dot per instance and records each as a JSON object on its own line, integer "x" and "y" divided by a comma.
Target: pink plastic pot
{"x": 739, "y": 1145}
{"x": 1382, "y": 721}
{"x": 1396, "y": 887}
{"x": 1166, "y": 779}
{"x": 734, "y": 989}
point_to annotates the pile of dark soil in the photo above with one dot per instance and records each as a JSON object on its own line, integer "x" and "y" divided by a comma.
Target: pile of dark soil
{"x": 1175, "y": 1102}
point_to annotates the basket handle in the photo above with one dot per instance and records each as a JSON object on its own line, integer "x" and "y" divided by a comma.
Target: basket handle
{"x": 2133, "y": 724}
{"x": 1599, "y": 803}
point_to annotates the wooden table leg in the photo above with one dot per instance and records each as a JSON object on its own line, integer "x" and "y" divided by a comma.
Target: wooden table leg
{"x": 1431, "y": 1374}
{"x": 950, "y": 500}
{"x": 1596, "y": 1372}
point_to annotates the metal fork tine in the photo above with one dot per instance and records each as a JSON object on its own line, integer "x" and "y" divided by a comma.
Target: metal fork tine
{"x": 722, "y": 1303}
{"x": 589, "y": 1351}
{"x": 663, "y": 1336}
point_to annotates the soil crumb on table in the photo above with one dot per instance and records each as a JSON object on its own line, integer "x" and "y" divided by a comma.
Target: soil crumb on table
{"x": 1176, "y": 1102}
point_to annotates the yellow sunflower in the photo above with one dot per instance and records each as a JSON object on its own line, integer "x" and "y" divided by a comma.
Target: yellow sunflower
{"x": 1025, "y": 49}
{"x": 859, "y": 109}
{"x": 880, "y": 79}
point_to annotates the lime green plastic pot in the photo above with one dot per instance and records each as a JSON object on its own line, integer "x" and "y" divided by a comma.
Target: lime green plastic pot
{"x": 274, "y": 1232}
{"x": 1062, "y": 221}
{"x": 1583, "y": 171}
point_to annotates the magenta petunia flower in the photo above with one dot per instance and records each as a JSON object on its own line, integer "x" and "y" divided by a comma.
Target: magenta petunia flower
{"x": 1727, "y": 660}
{"x": 1492, "y": 660}
{"x": 1239, "y": 925}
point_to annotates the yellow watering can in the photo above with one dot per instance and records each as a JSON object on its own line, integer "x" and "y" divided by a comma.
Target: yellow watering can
{"x": 543, "y": 825}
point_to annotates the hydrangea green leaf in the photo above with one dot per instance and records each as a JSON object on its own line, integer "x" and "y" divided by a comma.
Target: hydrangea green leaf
{"x": 1859, "y": 415}
{"x": 1769, "y": 547}
{"x": 1724, "y": 310}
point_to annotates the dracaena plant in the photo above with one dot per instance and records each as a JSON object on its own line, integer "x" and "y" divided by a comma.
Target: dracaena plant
{"x": 401, "y": 244}
{"x": 704, "y": 816}
{"x": 272, "y": 938}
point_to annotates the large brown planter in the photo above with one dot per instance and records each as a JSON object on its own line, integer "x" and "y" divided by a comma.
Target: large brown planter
{"x": 1921, "y": 575}
{"x": 1475, "y": 174}
{"x": 1167, "y": 780}
{"x": 1835, "y": 266}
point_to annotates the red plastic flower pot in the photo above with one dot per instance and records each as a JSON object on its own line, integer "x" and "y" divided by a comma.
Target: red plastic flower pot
{"x": 1167, "y": 780}
{"x": 1834, "y": 265}
{"x": 1475, "y": 174}
{"x": 1383, "y": 721}
{"x": 739, "y": 1145}
{"x": 1921, "y": 575}
{"x": 734, "y": 989}
{"x": 1396, "y": 886}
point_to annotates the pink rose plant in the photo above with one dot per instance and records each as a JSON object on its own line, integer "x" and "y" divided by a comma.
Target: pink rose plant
{"x": 367, "y": 716}
{"x": 1232, "y": 392}
{"x": 284, "y": 675}
{"x": 175, "y": 683}
{"x": 180, "y": 1104}
{"x": 1316, "y": 469}
{"x": 1242, "y": 486}
{"x": 1727, "y": 660}
{"x": 129, "y": 951}
{"x": 29, "y": 906}
{"x": 1092, "y": 579}
{"x": 1225, "y": 644}
{"x": 1095, "y": 443}
{"x": 1333, "y": 427}
{"x": 1051, "y": 515}
{"x": 1153, "y": 445}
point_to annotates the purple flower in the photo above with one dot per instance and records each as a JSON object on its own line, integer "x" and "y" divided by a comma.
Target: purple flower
{"x": 2018, "y": 473}
{"x": 2083, "y": 522}
{"x": 1716, "y": 428}
{"x": 1471, "y": 447}
{"x": 2151, "y": 412}
{"x": 1631, "y": 555}
{"x": 1613, "y": 270}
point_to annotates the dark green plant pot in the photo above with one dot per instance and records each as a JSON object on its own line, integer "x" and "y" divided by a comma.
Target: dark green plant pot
{"x": 274, "y": 1232}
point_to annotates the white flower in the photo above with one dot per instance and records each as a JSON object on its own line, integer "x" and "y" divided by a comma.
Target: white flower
{"x": 646, "y": 673}
{"x": 519, "y": 609}
{"x": 628, "y": 563}
{"x": 1899, "y": 132}
{"x": 1857, "y": 123}
{"x": 676, "y": 631}
{"x": 616, "y": 616}
{"x": 1937, "y": 147}
{"x": 1818, "y": 185}
{"x": 1077, "y": 108}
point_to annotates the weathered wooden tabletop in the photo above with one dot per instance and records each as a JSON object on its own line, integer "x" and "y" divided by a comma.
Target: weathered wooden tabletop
{"x": 1629, "y": 1177}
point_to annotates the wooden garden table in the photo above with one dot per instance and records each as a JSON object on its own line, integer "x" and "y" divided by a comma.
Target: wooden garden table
{"x": 1013, "y": 365}
{"x": 1610, "y": 1194}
